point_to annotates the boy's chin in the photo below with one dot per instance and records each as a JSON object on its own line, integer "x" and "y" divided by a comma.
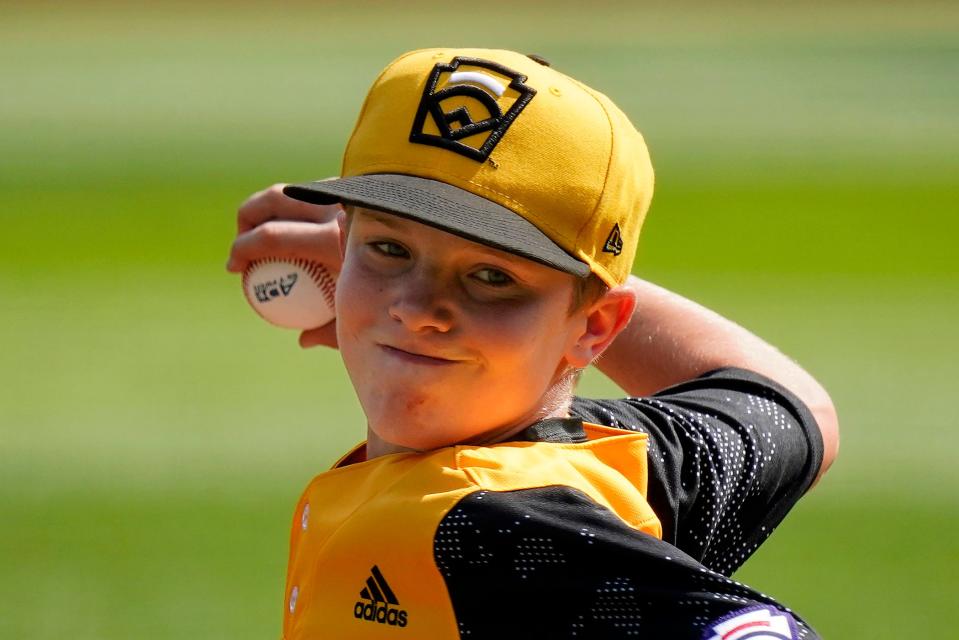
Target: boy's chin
{"x": 420, "y": 432}
{"x": 417, "y": 422}
{"x": 411, "y": 438}
{"x": 416, "y": 436}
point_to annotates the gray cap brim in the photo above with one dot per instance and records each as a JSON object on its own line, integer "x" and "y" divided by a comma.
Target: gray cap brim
{"x": 445, "y": 207}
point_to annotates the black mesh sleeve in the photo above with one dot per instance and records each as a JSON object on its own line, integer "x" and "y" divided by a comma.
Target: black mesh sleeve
{"x": 730, "y": 453}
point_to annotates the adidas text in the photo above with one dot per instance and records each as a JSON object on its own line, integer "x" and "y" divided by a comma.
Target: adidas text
{"x": 380, "y": 612}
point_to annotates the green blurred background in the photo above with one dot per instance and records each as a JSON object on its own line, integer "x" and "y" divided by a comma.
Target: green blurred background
{"x": 155, "y": 434}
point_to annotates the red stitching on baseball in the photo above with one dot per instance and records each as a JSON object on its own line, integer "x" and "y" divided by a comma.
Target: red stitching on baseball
{"x": 325, "y": 281}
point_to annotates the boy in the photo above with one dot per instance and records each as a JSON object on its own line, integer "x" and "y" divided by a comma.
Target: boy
{"x": 493, "y": 207}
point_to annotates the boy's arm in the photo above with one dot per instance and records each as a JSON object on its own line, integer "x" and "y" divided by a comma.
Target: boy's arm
{"x": 671, "y": 339}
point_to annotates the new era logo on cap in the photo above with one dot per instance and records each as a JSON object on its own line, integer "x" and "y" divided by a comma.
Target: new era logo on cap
{"x": 467, "y": 106}
{"x": 614, "y": 241}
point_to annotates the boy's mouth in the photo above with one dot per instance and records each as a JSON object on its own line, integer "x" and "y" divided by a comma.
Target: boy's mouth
{"x": 415, "y": 358}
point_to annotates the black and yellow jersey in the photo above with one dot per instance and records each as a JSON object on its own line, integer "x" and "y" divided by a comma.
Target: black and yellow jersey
{"x": 551, "y": 536}
{"x": 389, "y": 534}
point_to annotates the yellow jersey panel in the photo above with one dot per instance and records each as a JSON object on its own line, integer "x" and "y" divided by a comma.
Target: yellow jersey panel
{"x": 365, "y": 536}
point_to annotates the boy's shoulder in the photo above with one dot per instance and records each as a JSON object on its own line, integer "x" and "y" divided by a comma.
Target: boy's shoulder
{"x": 730, "y": 453}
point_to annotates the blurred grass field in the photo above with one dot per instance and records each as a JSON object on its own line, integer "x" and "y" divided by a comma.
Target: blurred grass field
{"x": 155, "y": 434}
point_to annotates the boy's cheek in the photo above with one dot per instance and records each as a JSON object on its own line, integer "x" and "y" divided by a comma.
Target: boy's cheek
{"x": 356, "y": 291}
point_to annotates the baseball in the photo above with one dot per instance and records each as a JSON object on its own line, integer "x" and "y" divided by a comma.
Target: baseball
{"x": 291, "y": 293}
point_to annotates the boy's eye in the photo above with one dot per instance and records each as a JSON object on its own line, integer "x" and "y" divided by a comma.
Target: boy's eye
{"x": 390, "y": 249}
{"x": 493, "y": 277}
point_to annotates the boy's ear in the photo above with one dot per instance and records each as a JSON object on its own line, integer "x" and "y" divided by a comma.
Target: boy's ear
{"x": 605, "y": 319}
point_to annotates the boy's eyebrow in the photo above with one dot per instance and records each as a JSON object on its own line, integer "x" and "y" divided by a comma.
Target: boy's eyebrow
{"x": 391, "y": 221}
{"x": 397, "y": 223}
{"x": 385, "y": 218}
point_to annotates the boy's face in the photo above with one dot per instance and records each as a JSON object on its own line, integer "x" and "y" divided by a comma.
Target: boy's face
{"x": 446, "y": 340}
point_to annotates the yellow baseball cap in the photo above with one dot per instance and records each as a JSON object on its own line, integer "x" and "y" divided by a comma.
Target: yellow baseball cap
{"x": 499, "y": 148}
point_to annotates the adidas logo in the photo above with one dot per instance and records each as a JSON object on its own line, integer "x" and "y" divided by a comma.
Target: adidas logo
{"x": 379, "y": 598}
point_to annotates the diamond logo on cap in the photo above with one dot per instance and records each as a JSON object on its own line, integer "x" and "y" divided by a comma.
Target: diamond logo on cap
{"x": 468, "y": 105}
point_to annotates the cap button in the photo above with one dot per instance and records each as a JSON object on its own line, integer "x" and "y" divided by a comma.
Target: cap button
{"x": 540, "y": 59}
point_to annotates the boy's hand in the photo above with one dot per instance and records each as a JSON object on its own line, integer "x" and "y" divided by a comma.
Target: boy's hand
{"x": 269, "y": 224}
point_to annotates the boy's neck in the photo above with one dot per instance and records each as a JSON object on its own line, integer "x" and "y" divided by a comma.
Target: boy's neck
{"x": 376, "y": 447}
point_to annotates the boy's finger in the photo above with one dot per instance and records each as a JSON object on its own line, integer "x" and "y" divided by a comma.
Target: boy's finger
{"x": 271, "y": 204}
{"x": 287, "y": 239}
{"x": 321, "y": 336}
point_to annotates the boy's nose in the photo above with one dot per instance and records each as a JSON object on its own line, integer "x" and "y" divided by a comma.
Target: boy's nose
{"x": 423, "y": 303}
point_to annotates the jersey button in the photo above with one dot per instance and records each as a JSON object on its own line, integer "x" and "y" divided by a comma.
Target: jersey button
{"x": 293, "y": 595}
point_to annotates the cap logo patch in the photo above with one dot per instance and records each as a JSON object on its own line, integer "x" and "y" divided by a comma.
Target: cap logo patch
{"x": 614, "y": 241}
{"x": 467, "y": 106}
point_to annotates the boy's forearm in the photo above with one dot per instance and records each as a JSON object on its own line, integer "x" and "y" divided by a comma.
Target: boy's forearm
{"x": 671, "y": 339}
